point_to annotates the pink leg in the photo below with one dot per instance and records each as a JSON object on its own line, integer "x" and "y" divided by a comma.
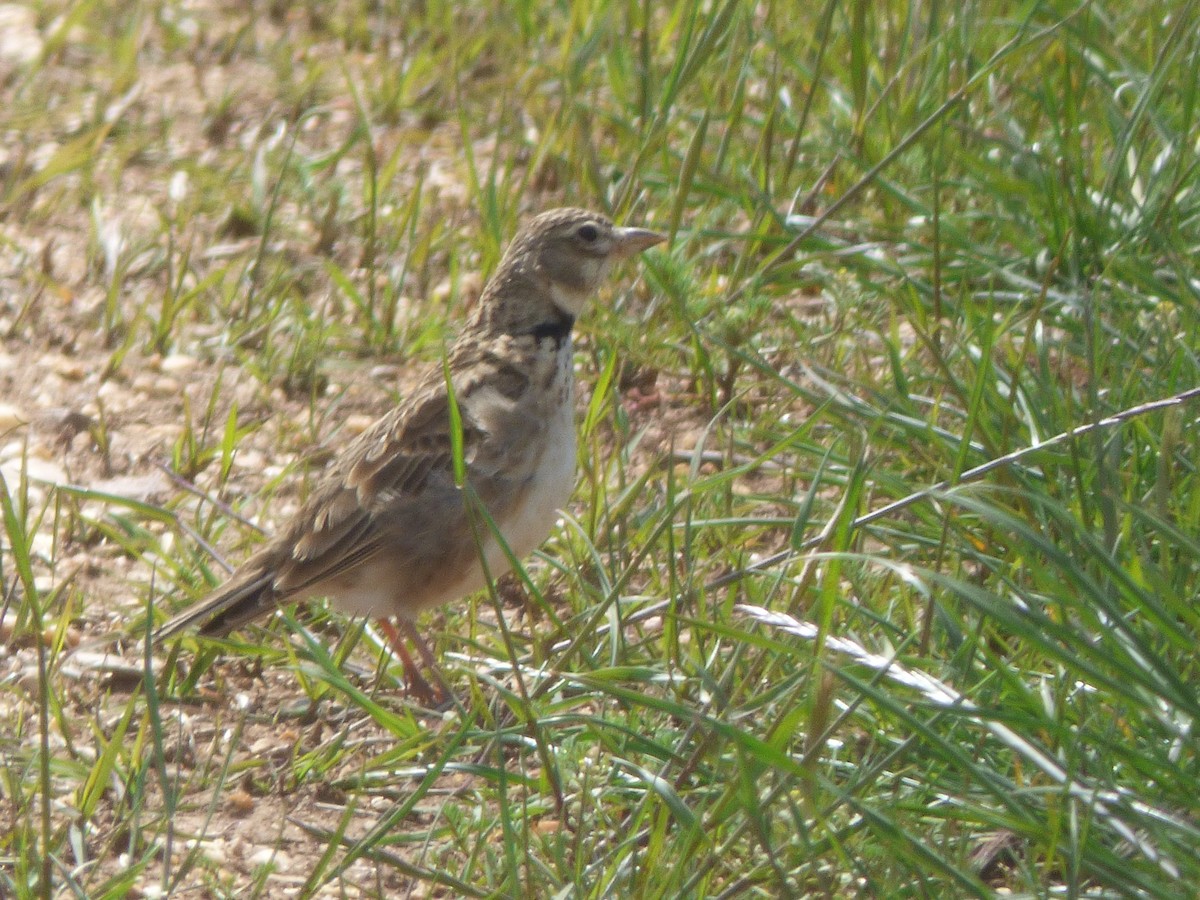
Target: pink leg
{"x": 414, "y": 680}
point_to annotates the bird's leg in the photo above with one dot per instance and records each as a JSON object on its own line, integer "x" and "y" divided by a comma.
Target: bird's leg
{"x": 443, "y": 689}
{"x": 413, "y": 678}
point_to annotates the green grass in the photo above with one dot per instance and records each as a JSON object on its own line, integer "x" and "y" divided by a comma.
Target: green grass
{"x": 906, "y": 240}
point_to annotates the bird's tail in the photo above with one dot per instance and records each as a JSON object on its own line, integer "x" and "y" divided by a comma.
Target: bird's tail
{"x": 236, "y": 603}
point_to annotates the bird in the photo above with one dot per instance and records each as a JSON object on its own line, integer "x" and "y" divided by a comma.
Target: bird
{"x": 405, "y": 517}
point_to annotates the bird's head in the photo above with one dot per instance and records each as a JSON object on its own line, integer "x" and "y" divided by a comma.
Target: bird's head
{"x": 562, "y": 256}
{"x": 573, "y": 249}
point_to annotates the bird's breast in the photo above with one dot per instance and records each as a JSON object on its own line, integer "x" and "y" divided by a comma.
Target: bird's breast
{"x": 552, "y": 478}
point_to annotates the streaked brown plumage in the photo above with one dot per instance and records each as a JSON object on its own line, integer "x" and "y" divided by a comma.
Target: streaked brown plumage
{"x": 386, "y": 532}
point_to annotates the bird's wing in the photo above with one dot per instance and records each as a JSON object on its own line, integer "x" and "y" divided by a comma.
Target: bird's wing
{"x": 339, "y": 527}
{"x": 396, "y": 476}
{"x": 399, "y": 463}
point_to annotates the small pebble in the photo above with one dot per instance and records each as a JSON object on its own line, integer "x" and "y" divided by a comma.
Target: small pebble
{"x": 177, "y": 364}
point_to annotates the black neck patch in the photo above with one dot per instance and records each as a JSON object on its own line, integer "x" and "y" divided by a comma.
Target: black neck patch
{"x": 558, "y": 328}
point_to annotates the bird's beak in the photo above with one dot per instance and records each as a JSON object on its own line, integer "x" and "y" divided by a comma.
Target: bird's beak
{"x": 628, "y": 241}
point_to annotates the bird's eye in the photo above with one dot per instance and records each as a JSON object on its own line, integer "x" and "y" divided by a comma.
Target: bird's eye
{"x": 588, "y": 233}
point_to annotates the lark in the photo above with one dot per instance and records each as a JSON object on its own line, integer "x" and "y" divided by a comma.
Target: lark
{"x": 406, "y": 517}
